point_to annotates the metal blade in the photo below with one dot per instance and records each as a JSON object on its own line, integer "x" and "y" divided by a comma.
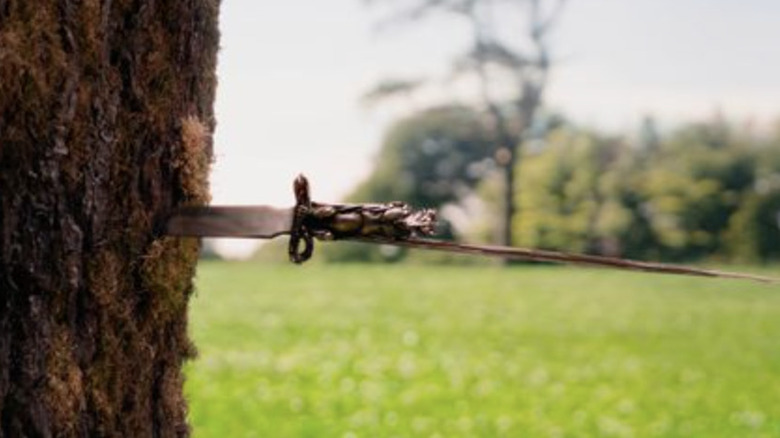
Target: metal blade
{"x": 234, "y": 221}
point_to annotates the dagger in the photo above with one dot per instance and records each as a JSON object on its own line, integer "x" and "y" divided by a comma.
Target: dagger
{"x": 394, "y": 223}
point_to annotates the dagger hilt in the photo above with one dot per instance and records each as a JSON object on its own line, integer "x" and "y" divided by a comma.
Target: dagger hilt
{"x": 393, "y": 221}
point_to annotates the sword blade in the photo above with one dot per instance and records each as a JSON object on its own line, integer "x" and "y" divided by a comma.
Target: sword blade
{"x": 261, "y": 222}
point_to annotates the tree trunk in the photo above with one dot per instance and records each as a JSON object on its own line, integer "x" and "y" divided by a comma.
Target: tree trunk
{"x": 509, "y": 194}
{"x": 506, "y": 157}
{"x": 105, "y": 125}
{"x": 527, "y": 107}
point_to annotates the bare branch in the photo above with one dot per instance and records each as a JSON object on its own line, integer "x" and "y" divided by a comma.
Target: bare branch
{"x": 391, "y": 88}
{"x": 423, "y": 8}
{"x": 552, "y": 18}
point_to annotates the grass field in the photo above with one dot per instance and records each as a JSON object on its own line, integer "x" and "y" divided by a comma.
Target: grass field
{"x": 412, "y": 351}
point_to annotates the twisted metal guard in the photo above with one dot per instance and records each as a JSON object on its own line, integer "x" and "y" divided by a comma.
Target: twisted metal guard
{"x": 300, "y": 232}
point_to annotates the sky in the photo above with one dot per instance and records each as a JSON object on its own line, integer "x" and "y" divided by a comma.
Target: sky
{"x": 291, "y": 74}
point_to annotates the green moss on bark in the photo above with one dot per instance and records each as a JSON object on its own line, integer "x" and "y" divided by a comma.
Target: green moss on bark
{"x": 105, "y": 126}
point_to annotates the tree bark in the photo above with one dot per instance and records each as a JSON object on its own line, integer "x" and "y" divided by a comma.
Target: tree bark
{"x": 105, "y": 125}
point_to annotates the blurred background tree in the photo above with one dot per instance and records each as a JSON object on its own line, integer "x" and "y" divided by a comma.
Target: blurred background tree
{"x": 507, "y": 66}
{"x": 698, "y": 190}
{"x": 572, "y": 193}
{"x": 434, "y": 158}
{"x": 703, "y": 190}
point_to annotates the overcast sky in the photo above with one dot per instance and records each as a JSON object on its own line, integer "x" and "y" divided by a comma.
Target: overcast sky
{"x": 291, "y": 74}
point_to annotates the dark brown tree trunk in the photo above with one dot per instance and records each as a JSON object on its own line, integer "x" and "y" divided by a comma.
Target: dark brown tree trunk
{"x": 105, "y": 125}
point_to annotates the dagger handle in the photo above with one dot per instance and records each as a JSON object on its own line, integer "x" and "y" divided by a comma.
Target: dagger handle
{"x": 388, "y": 221}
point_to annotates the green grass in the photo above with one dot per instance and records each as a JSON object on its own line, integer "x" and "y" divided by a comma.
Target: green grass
{"x": 412, "y": 351}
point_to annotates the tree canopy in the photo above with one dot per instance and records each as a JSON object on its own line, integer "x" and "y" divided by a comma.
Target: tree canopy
{"x": 705, "y": 189}
{"x": 432, "y": 158}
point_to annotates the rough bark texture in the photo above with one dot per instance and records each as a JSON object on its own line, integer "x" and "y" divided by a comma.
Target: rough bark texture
{"x": 105, "y": 125}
